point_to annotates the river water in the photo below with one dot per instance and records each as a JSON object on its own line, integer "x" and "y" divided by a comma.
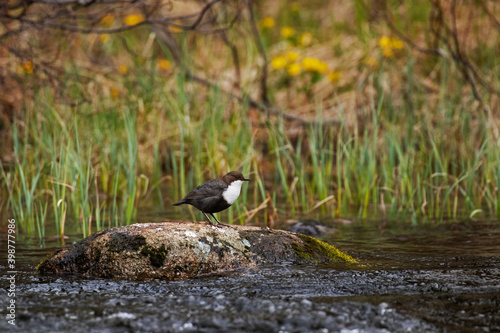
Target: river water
{"x": 425, "y": 277}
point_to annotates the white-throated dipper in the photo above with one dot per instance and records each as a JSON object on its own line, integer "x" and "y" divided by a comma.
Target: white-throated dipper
{"x": 215, "y": 195}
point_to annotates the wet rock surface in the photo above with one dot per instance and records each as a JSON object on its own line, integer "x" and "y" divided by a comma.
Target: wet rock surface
{"x": 422, "y": 279}
{"x": 181, "y": 250}
{"x": 272, "y": 299}
{"x": 249, "y": 302}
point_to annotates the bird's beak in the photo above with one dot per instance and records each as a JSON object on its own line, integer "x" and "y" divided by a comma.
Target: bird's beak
{"x": 247, "y": 179}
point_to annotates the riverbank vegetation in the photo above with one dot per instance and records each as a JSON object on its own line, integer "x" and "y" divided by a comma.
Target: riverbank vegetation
{"x": 383, "y": 107}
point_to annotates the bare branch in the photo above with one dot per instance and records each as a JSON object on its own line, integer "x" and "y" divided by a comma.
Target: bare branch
{"x": 202, "y": 14}
{"x": 449, "y": 36}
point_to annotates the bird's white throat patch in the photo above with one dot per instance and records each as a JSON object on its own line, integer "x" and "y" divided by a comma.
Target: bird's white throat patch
{"x": 232, "y": 192}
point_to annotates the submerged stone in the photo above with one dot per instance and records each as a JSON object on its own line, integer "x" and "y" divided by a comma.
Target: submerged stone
{"x": 181, "y": 250}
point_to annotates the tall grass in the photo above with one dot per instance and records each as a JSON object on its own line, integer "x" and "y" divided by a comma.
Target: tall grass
{"x": 90, "y": 170}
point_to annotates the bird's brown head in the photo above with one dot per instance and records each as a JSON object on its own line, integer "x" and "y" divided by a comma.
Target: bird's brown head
{"x": 234, "y": 175}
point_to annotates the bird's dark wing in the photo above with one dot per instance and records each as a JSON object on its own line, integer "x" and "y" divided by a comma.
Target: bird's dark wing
{"x": 211, "y": 188}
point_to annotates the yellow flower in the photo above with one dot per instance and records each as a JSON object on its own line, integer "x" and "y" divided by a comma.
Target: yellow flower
{"x": 305, "y": 39}
{"x": 278, "y": 62}
{"x": 104, "y": 38}
{"x": 309, "y": 64}
{"x": 267, "y": 23}
{"x": 131, "y": 20}
{"x": 314, "y": 65}
{"x": 292, "y": 56}
{"x": 294, "y": 69}
{"x": 287, "y": 32}
{"x": 322, "y": 67}
{"x": 28, "y": 67}
{"x": 108, "y": 20}
{"x": 397, "y": 44}
{"x": 384, "y": 42}
{"x": 173, "y": 28}
{"x": 123, "y": 69}
{"x": 387, "y": 53}
{"x": 164, "y": 64}
{"x": 390, "y": 43}
{"x": 334, "y": 76}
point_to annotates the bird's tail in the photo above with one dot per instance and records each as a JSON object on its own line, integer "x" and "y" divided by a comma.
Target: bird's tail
{"x": 178, "y": 203}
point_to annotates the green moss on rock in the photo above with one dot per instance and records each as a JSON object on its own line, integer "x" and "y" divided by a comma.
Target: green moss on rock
{"x": 316, "y": 250}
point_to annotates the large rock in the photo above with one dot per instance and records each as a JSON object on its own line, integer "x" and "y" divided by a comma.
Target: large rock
{"x": 180, "y": 250}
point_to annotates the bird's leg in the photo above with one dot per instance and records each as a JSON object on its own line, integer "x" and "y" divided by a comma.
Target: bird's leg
{"x": 219, "y": 222}
{"x": 208, "y": 218}
{"x": 215, "y": 218}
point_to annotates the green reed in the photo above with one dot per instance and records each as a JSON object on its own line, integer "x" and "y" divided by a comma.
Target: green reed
{"x": 400, "y": 161}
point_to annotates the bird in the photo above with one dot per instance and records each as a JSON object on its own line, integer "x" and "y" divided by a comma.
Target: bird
{"x": 215, "y": 195}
